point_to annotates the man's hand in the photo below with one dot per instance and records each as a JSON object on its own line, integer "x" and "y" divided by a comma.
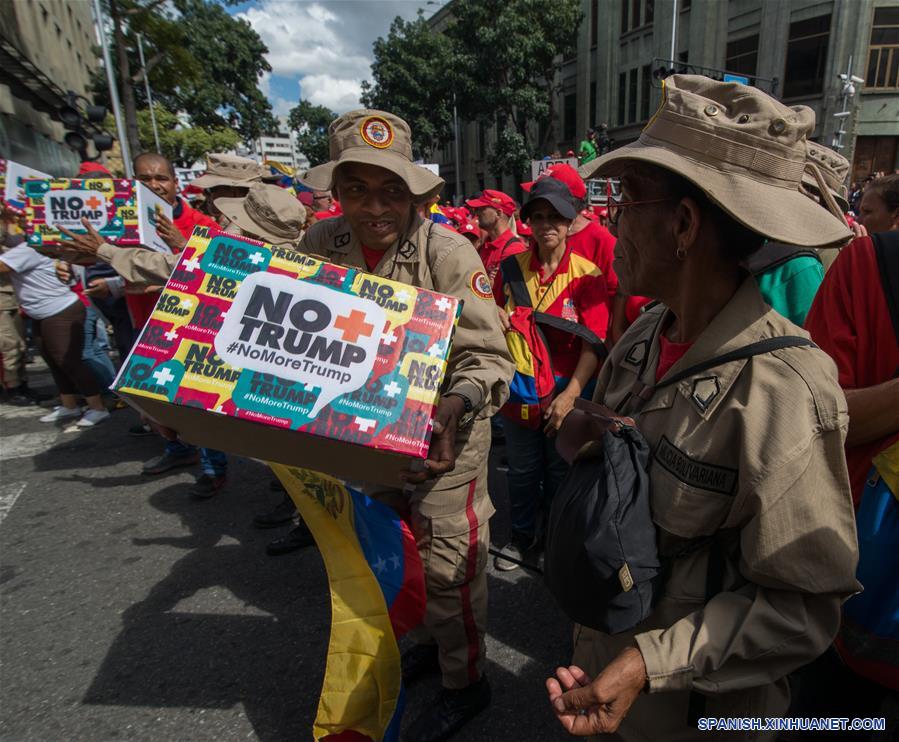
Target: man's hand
{"x": 97, "y": 288}
{"x": 858, "y": 230}
{"x": 557, "y": 412}
{"x": 504, "y": 319}
{"x": 84, "y": 244}
{"x": 442, "y": 453}
{"x": 586, "y": 707}
{"x": 63, "y": 271}
{"x": 169, "y": 232}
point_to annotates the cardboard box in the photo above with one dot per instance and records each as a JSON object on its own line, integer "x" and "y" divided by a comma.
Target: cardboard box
{"x": 122, "y": 211}
{"x": 261, "y": 351}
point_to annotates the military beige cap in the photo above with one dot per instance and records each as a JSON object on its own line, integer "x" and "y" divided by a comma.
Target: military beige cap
{"x": 228, "y": 170}
{"x": 834, "y": 169}
{"x": 745, "y": 150}
{"x": 374, "y": 137}
{"x": 268, "y": 212}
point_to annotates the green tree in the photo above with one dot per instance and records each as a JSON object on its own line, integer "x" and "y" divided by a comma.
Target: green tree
{"x": 413, "y": 78}
{"x": 508, "y": 52}
{"x": 183, "y": 145}
{"x": 200, "y": 61}
{"x": 311, "y": 125}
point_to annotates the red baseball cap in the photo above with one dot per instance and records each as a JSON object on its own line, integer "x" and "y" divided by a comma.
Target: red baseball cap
{"x": 567, "y": 174}
{"x": 88, "y": 167}
{"x": 494, "y": 199}
{"x": 305, "y": 198}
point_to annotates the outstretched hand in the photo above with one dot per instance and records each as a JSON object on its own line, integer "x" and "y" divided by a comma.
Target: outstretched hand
{"x": 84, "y": 244}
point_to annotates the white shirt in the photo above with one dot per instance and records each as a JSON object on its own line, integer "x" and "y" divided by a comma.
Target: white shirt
{"x": 39, "y": 292}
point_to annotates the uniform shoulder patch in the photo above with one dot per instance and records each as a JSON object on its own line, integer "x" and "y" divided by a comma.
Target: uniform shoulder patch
{"x": 705, "y": 390}
{"x": 407, "y": 250}
{"x": 341, "y": 240}
{"x": 480, "y": 285}
{"x": 637, "y": 353}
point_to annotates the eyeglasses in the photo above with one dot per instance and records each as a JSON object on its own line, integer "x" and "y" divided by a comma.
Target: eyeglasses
{"x": 614, "y": 205}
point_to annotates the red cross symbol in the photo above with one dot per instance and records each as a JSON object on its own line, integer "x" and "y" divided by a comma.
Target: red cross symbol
{"x": 354, "y": 325}
{"x": 94, "y": 202}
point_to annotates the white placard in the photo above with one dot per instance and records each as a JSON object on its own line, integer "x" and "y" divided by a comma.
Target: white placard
{"x": 13, "y": 193}
{"x": 146, "y": 203}
{"x": 539, "y": 166}
{"x": 66, "y": 208}
{"x": 304, "y": 332}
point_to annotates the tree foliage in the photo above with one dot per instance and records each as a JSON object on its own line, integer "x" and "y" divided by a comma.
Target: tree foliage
{"x": 183, "y": 145}
{"x": 311, "y": 125}
{"x": 500, "y": 57}
{"x": 413, "y": 78}
{"x": 200, "y": 61}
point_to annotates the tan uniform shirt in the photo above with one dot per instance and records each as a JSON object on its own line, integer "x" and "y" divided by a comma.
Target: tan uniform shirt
{"x": 139, "y": 265}
{"x": 437, "y": 259}
{"x": 755, "y": 445}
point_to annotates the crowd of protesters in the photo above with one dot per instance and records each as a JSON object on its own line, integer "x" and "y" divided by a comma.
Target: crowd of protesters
{"x": 701, "y": 253}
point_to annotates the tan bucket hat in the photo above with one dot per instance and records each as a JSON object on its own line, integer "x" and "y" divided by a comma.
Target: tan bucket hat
{"x": 745, "y": 150}
{"x": 228, "y": 170}
{"x": 374, "y": 137}
{"x": 834, "y": 168}
{"x": 268, "y": 211}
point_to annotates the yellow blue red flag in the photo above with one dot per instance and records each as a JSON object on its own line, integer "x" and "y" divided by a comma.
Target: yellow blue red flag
{"x": 377, "y": 594}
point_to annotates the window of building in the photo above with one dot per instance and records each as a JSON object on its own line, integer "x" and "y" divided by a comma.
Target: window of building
{"x": 645, "y": 90}
{"x": 622, "y": 94}
{"x": 685, "y": 4}
{"x": 570, "y": 117}
{"x": 636, "y": 13}
{"x": 632, "y": 95}
{"x": 883, "y": 52}
{"x": 806, "y": 56}
{"x": 743, "y": 55}
{"x": 594, "y": 23}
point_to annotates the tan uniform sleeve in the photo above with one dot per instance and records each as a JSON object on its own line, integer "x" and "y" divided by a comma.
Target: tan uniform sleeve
{"x": 480, "y": 365}
{"x": 798, "y": 551}
{"x": 139, "y": 265}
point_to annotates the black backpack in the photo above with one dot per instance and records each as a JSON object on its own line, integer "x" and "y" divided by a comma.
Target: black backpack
{"x": 601, "y": 557}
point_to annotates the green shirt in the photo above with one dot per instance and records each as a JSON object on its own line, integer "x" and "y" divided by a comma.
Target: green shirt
{"x": 588, "y": 151}
{"x": 790, "y": 288}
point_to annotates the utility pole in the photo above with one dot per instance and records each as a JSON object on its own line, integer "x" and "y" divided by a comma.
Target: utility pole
{"x": 847, "y": 96}
{"x": 113, "y": 92}
{"x": 673, "y": 31}
{"x": 143, "y": 66}
{"x": 459, "y": 194}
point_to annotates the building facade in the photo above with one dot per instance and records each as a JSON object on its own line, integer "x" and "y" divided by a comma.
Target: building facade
{"x": 282, "y": 149}
{"x": 793, "y": 49}
{"x": 47, "y": 48}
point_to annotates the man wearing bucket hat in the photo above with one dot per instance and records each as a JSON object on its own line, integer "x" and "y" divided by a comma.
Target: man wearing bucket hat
{"x": 268, "y": 213}
{"x": 749, "y": 491}
{"x": 372, "y": 173}
{"x": 789, "y": 275}
{"x": 494, "y": 210}
{"x": 227, "y": 176}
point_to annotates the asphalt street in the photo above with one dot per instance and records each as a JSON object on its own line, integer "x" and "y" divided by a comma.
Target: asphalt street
{"x": 132, "y": 611}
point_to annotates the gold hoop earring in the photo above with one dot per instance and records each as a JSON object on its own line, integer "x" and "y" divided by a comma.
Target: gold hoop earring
{"x": 681, "y": 253}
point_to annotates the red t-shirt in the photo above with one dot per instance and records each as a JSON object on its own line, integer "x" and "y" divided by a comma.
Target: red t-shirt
{"x": 576, "y": 292}
{"x": 372, "y": 256}
{"x": 185, "y": 217}
{"x": 597, "y": 244}
{"x": 669, "y": 354}
{"x": 493, "y": 253}
{"x": 850, "y": 321}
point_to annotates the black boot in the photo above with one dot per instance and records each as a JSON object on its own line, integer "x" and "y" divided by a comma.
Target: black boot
{"x": 283, "y": 512}
{"x": 298, "y": 538}
{"x": 419, "y": 662}
{"x": 450, "y": 711}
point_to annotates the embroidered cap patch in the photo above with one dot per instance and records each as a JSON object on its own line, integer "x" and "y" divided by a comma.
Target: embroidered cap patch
{"x": 376, "y": 132}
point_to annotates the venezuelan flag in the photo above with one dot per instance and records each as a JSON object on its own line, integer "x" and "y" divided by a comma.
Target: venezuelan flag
{"x": 377, "y": 595}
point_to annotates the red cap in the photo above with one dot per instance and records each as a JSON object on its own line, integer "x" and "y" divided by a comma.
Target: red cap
{"x": 524, "y": 230}
{"x": 87, "y": 168}
{"x": 495, "y": 199}
{"x": 567, "y": 174}
{"x": 305, "y": 198}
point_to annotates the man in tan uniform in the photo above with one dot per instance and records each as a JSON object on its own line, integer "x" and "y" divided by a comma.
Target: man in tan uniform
{"x": 378, "y": 186}
{"x": 750, "y": 450}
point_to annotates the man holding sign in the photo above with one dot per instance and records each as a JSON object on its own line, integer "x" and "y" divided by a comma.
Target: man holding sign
{"x": 380, "y": 232}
